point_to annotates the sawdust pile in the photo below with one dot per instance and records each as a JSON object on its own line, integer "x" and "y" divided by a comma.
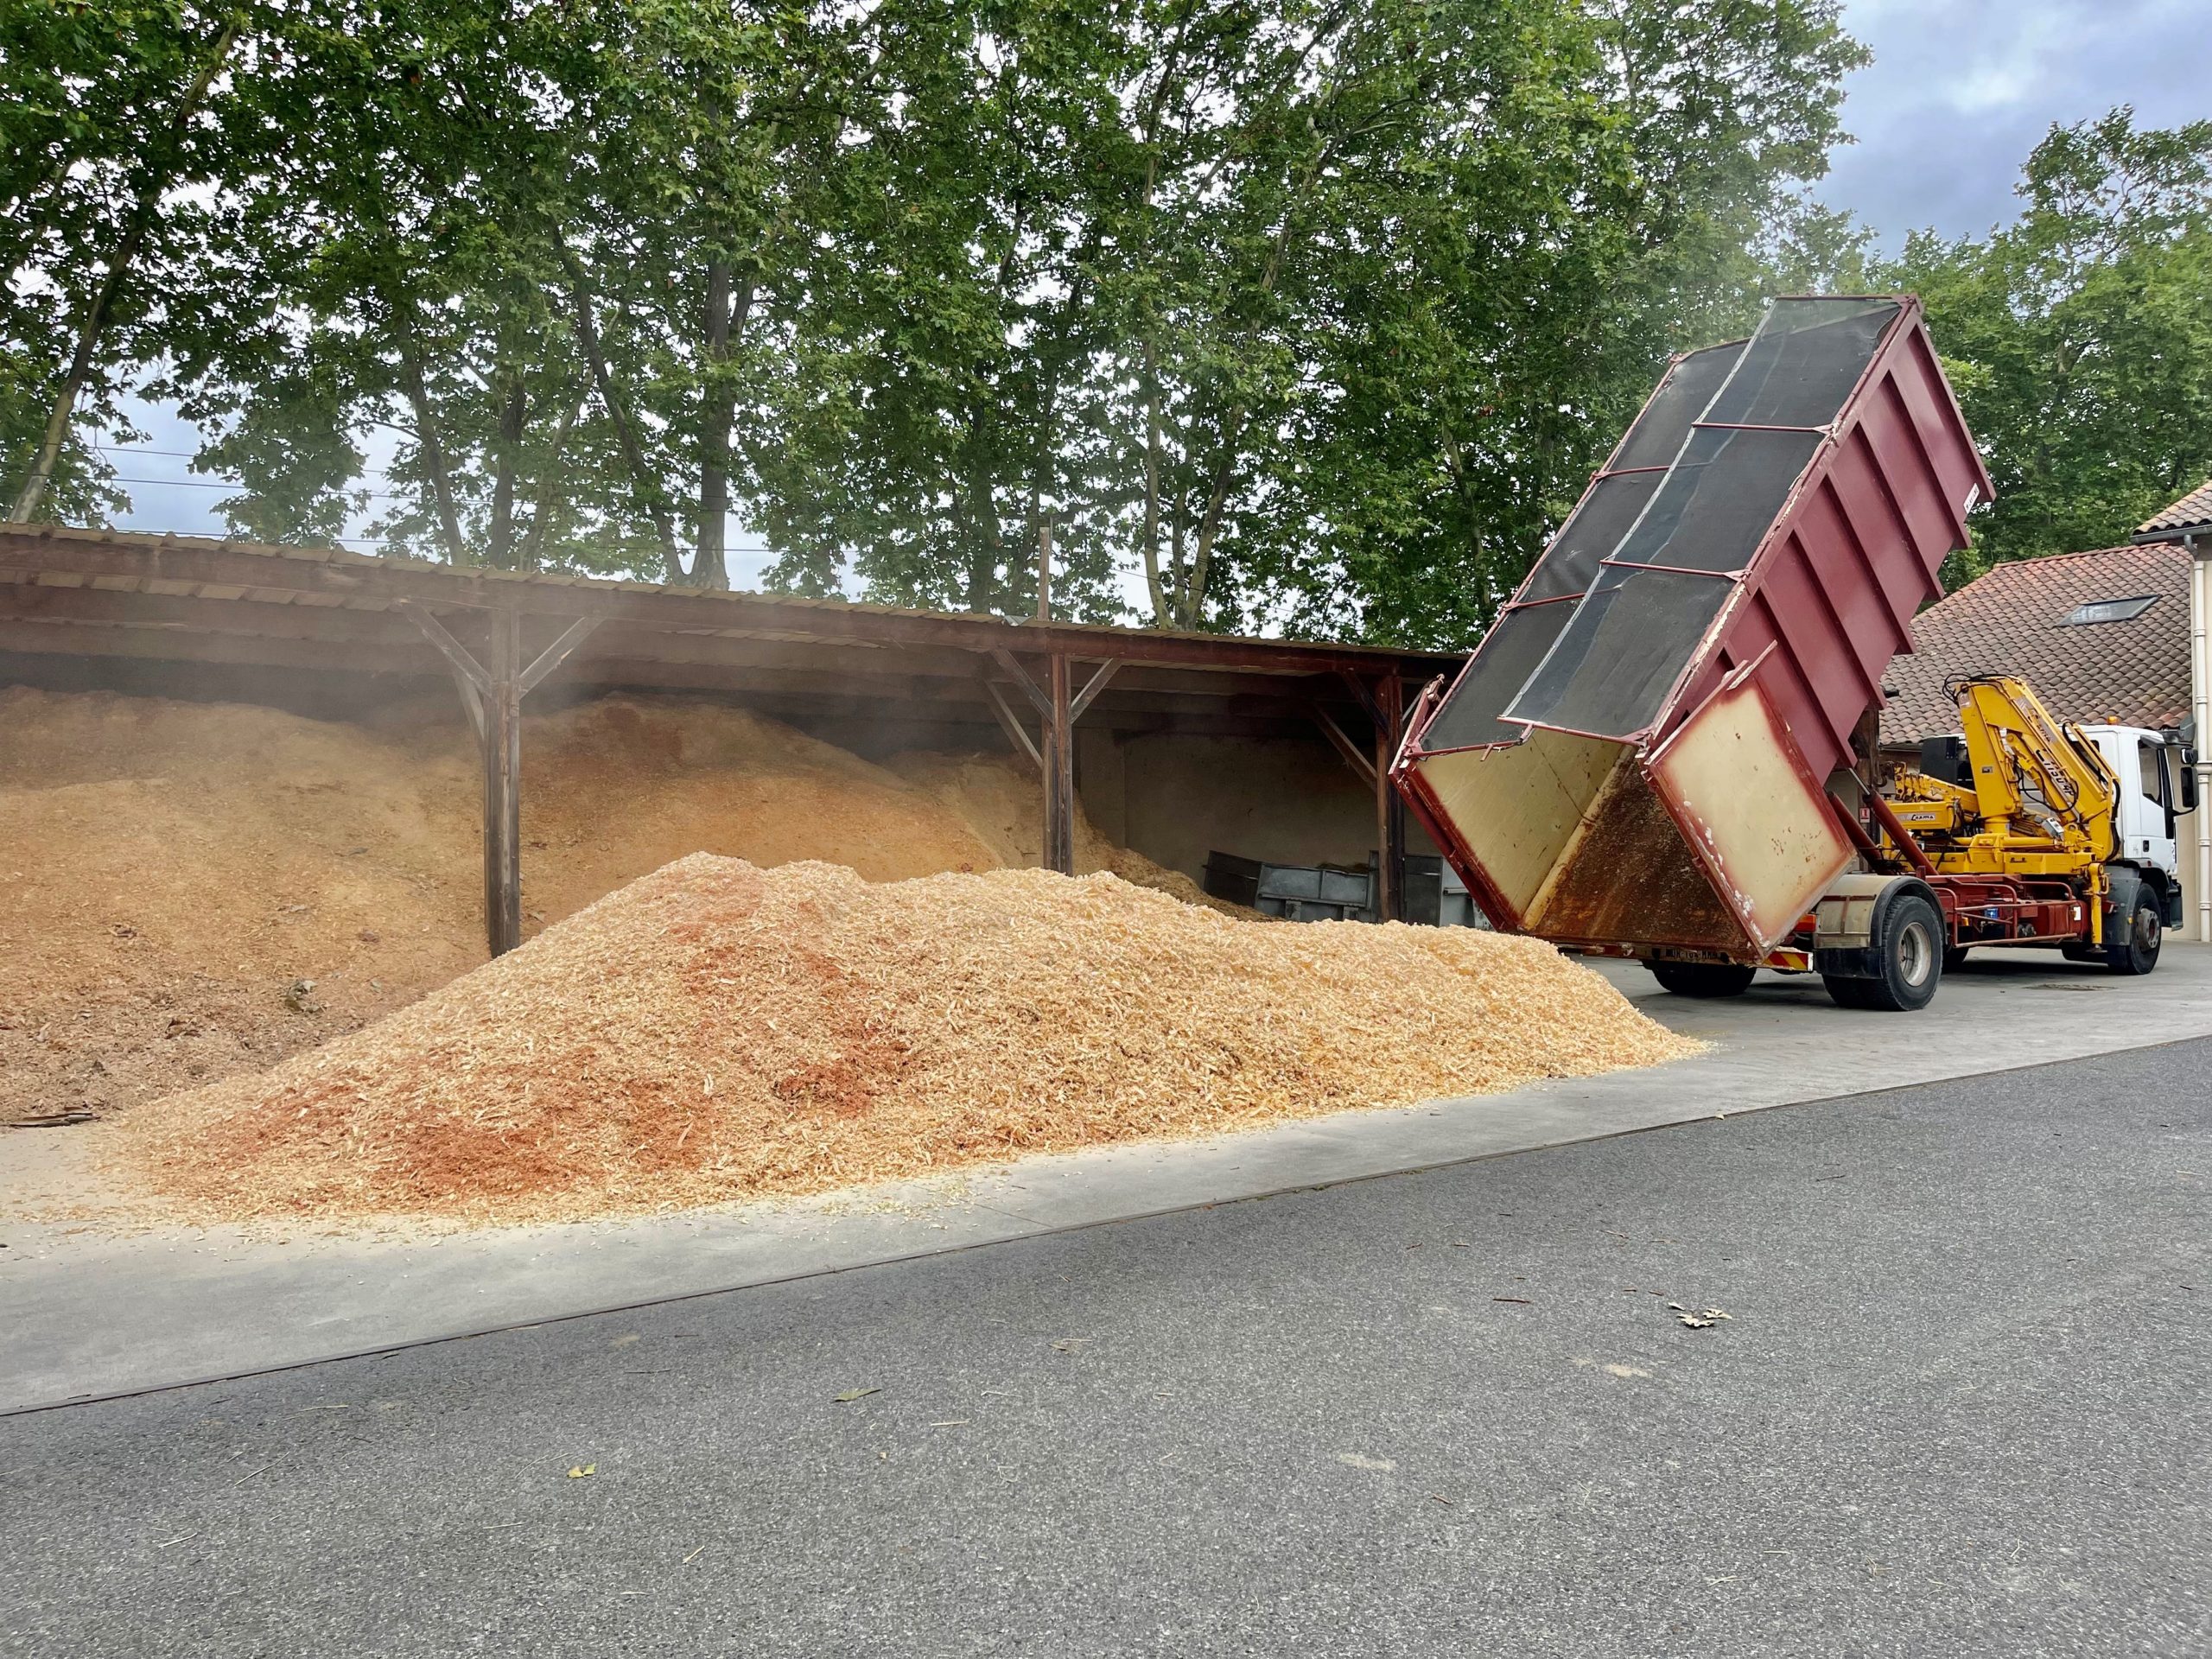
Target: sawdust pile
{"x": 170, "y": 872}
{"x": 1001, "y": 802}
{"x": 718, "y": 1032}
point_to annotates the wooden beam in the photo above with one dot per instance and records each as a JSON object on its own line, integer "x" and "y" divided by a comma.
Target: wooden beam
{"x": 1092, "y": 686}
{"x": 1358, "y": 762}
{"x": 491, "y": 693}
{"x": 1362, "y": 693}
{"x": 329, "y": 574}
{"x": 503, "y": 784}
{"x": 389, "y": 628}
{"x": 1038, "y": 700}
{"x": 1016, "y": 734}
{"x": 468, "y": 674}
{"x": 1390, "y": 810}
{"x": 555, "y": 654}
{"x": 33, "y": 601}
{"x": 1129, "y": 704}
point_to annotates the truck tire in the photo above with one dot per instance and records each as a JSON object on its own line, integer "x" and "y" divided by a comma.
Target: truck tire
{"x": 1910, "y": 952}
{"x": 1954, "y": 957}
{"x": 1702, "y": 978}
{"x": 2134, "y": 948}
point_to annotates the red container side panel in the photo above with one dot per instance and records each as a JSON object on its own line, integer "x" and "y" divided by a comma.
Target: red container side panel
{"x": 1829, "y": 598}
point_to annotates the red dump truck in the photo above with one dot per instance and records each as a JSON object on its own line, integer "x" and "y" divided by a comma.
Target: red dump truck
{"x": 1662, "y": 747}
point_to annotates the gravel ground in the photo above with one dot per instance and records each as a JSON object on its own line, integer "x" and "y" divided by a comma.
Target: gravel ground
{"x": 1959, "y": 1407}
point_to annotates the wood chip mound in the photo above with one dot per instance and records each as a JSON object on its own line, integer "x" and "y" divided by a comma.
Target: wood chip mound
{"x": 717, "y": 1031}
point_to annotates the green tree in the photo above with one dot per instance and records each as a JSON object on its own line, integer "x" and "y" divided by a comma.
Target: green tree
{"x": 1313, "y": 312}
{"x": 112, "y": 135}
{"x": 703, "y": 141}
{"x": 401, "y": 271}
{"x": 2079, "y": 337}
{"x": 1579, "y": 195}
{"x": 933, "y": 423}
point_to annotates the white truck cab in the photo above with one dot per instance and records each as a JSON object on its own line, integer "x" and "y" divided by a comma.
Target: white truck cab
{"x": 2158, "y": 782}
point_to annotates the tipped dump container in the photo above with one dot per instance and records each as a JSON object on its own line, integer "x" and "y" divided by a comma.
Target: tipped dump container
{"x": 1639, "y": 755}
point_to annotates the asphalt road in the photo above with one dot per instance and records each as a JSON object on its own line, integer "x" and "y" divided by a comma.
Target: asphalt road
{"x": 1959, "y": 1407}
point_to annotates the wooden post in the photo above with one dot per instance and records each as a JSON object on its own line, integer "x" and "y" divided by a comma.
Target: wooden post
{"x": 1058, "y": 707}
{"x": 1059, "y": 774}
{"x": 491, "y": 693}
{"x": 503, "y": 784}
{"x": 1389, "y": 810}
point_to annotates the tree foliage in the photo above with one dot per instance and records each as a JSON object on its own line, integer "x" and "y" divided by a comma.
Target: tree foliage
{"x": 2079, "y": 337}
{"x": 1300, "y": 314}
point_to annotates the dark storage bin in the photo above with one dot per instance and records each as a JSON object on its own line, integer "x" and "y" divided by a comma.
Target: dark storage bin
{"x": 1298, "y": 892}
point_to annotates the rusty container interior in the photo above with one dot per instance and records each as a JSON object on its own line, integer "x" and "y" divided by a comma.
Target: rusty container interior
{"x": 1637, "y": 755}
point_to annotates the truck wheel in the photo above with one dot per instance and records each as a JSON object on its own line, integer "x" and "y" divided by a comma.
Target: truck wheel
{"x": 1911, "y": 954}
{"x": 1954, "y": 957}
{"x": 2136, "y": 950}
{"x": 1702, "y": 978}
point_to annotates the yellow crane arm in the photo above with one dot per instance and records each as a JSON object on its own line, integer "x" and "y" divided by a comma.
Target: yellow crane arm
{"x": 2035, "y": 778}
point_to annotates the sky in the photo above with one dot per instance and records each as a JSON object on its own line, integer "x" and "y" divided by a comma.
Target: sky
{"x": 1959, "y": 92}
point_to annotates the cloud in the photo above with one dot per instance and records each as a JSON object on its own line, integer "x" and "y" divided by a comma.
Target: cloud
{"x": 1960, "y": 91}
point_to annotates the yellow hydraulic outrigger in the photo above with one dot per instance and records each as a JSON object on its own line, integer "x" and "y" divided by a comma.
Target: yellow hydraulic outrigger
{"x": 2041, "y": 804}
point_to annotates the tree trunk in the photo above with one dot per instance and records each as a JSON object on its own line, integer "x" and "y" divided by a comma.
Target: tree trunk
{"x": 547, "y": 492}
{"x": 726, "y": 314}
{"x": 426, "y": 426}
{"x": 127, "y": 249}
{"x": 514, "y": 414}
{"x": 641, "y": 480}
{"x": 985, "y": 542}
{"x": 1158, "y": 592}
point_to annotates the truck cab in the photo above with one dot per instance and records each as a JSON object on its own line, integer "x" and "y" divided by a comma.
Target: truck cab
{"x": 2158, "y": 783}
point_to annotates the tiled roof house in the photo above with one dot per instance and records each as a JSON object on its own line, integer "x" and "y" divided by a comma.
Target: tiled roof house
{"x": 2101, "y": 636}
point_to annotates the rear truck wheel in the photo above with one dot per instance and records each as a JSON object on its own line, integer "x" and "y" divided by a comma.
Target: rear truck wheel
{"x": 1907, "y": 955}
{"x": 1954, "y": 957}
{"x": 2134, "y": 948}
{"x": 1702, "y": 978}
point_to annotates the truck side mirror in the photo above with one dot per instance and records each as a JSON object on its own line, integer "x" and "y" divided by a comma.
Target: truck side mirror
{"x": 2188, "y": 779}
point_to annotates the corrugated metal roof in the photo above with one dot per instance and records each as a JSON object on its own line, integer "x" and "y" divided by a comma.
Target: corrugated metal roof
{"x": 2192, "y": 512}
{"x": 2013, "y": 621}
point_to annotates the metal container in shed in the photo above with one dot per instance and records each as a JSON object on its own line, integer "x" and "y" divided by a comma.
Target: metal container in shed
{"x": 1298, "y": 892}
{"x": 1637, "y": 754}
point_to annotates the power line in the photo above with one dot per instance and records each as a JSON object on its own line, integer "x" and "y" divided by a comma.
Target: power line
{"x": 199, "y": 533}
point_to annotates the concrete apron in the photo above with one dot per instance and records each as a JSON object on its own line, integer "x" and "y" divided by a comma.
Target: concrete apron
{"x": 84, "y": 1315}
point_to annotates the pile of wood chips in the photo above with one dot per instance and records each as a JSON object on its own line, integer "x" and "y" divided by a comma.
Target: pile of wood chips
{"x": 717, "y": 1031}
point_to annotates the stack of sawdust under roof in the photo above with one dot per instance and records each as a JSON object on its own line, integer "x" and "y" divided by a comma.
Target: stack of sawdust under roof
{"x": 999, "y": 798}
{"x": 718, "y": 1032}
{"x": 170, "y": 870}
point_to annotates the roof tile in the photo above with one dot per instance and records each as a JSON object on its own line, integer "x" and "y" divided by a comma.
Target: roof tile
{"x": 2012, "y": 621}
{"x": 2192, "y": 512}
